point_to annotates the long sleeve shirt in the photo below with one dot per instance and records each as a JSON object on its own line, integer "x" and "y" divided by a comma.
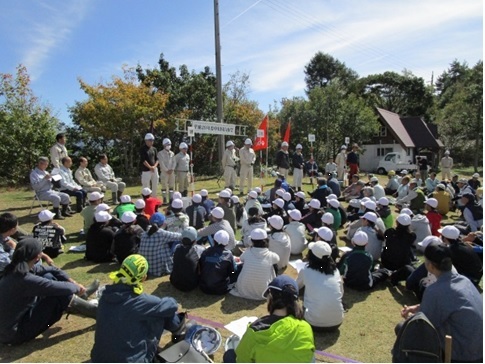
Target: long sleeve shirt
{"x": 84, "y": 177}
{"x": 215, "y": 227}
{"x": 38, "y": 181}
{"x": 228, "y": 158}
{"x": 156, "y": 249}
{"x": 104, "y": 172}
{"x": 182, "y": 162}
{"x": 247, "y": 156}
{"x": 57, "y": 152}
{"x": 67, "y": 181}
{"x": 166, "y": 160}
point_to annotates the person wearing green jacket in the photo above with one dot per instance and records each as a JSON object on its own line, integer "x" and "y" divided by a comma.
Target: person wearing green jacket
{"x": 283, "y": 336}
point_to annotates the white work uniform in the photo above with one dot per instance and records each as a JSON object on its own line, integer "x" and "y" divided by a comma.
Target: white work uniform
{"x": 229, "y": 165}
{"x": 247, "y": 158}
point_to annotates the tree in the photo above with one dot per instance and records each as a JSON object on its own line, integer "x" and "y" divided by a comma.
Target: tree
{"x": 24, "y": 121}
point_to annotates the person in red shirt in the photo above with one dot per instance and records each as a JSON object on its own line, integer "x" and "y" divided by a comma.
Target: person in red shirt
{"x": 434, "y": 217}
{"x": 151, "y": 203}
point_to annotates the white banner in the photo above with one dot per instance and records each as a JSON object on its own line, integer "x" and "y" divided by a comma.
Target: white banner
{"x": 207, "y": 127}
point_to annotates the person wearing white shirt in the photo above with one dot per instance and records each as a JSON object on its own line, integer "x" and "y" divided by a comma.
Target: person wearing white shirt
{"x": 341, "y": 161}
{"x": 254, "y": 221}
{"x": 68, "y": 185}
{"x": 253, "y": 201}
{"x": 58, "y": 150}
{"x": 166, "y": 161}
{"x": 296, "y": 231}
{"x": 279, "y": 242}
{"x": 378, "y": 189}
{"x": 105, "y": 174}
{"x": 247, "y": 159}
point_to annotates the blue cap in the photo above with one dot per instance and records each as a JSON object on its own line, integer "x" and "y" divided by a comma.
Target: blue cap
{"x": 157, "y": 218}
{"x": 283, "y": 283}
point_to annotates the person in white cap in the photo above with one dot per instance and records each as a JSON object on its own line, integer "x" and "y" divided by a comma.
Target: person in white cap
{"x": 207, "y": 203}
{"x": 253, "y": 201}
{"x": 196, "y": 212}
{"x": 127, "y": 238}
{"x": 225, "y": 203}
{"x": 247, "y": 159}
{"x": 341, "y": 162}
{"x": 324, "y": 289}
{"x": 300, "y": 203}
{"x": 298, "y": 164}
{"x": 474, "y": 182}
{"x": 259, "y": 268}
{"x": 283, "y": 160}
{"x": 403, "y": 189}
{"x": 378, "y": 189}
{"x": 99, "y": 239}
{"x": 218, "y": 223}
{"x": 278, "y": 208}
{"x": 444, "y": 199}
{"x": 254, "y": 221}
{"x": 239, "y": 211}
{"x": 124, "y": 206}
{"x": 228, "y": 164}
{"x": 85, "y": 178}
{"x": 217, "y": 266}
{"x": 182, "y": 168}
{"x": 166, "y": 161}
{"x": 151, "y": 203}
{"x": 149, "y": 164}
{"x": 431, "y": 182}
{"x": 414, "y": 199}
{"x": 384, "y": 212}
{"x": 337, "y": 212}
{"x": 296, "y": 232}
{"x": 95, "y": 198}
{"x": 279, "y": 242}
{"x": 177, "y": 221}
{"x": 142, "y": 219}
{"x": 375, "y": 237}
{"x": 446, "y": 165}
{"x": 105, "y": 174}
{"x": 50, "y": 234}
{"x": 434, "y": 217}
{"x": 312, "y": 219}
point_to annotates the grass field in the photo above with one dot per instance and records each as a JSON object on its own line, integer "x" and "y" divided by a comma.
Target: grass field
{"x": 366, "y": 335}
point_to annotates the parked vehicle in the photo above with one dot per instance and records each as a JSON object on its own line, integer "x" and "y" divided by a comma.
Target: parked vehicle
{"x": 396, "y": 162}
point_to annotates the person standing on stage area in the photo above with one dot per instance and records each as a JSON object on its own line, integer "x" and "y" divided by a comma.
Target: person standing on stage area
{"x": 166, "y": 161}
{"x": 182, "y": 165}
{"x": 283, "y": 160}
{"x": 341, "y": 162}
{"x": 298, "y": 165}
{"x": 353, "y": 161}
{"x": 229, "y": 165}
{"x": 58, "y": 150}
{"x": 247, "y": 158}
{"x": 446, "y": 166}
{"x": 149, "y": 164}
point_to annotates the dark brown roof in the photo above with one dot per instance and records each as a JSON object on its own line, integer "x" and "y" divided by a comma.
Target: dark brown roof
{"x": 395, "y": 125}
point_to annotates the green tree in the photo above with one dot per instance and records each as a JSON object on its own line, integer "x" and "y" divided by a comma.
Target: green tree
{"x": 24, "y": 120}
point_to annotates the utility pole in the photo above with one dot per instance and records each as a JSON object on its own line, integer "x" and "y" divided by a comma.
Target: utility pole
{"x": 218, "y": 77}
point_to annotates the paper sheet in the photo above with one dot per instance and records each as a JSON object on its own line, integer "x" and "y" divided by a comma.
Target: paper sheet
{"x": 297, "y": 264}
{"x": 240, "y": 326}
{"x": 344, "y": 249}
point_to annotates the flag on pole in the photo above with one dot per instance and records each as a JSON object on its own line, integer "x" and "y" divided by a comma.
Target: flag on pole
{"x": 287, "y": 133}
{"x": 261, "y": 141}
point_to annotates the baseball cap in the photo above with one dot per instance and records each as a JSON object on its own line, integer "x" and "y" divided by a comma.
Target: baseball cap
{"x": 450, "y": 232}
{"x": 257, "y": 189}
{"x": 279, "y": 202}
{"x": 94, "y": 196}
{"x": 46, "y": 215}
{"x": 371, "y": 216}
{"x": 447, "y": 152}
{"x": 176, "y": 195}
{"x": 197, "y": 198}
{"x": 327, "y": 218}
{"x": 224, "y": 194}
{"x": 248, "y": 142}
{"x": 157, "y": 219}
{"x": 343, "y": 147}
{"x": 404, "y": 171}
{"x": 276, "y": 222}
{"x": 235, "y": 199}
{"x": 476, "y": 175}
{"x": 428, "y": 240}
{"x": 204, "y": 193}
{"x": 371, "y": 205}
{"x": 287, "y": 196}
{"x": 295, "y": 214}
{"x": 177, "y": 204}
{"x": 283, "y": 283}
{"x": 189, "y": 233}
{"x": 462, "y": 180}
{"x": 102, "y": 216}
{"x": 391, "y": 173}
{"x": 146, "y": 191}
{"x": 325, "y": 233}
{"x": 407, "y": 211}
{"x": 360, "y": 238}
{"x": 355, "y": 203}
{"x": 258, "y": 234}
{"x": 228, "y": 190}
{"x": 300, "y": 194}
{"x": 383, "y": 201}
{"x": 149, "y": 136}
{"x": 299, "y": 146}
{"x": 320, "y": 249}
{"x": 334, "y": 203}
{"x": 280, "y": 192}
{"x": 183, "y": 146}
{"x": 140, "y": 204}
{"x": 374, "y": 179}
{"x": 125, "y": 198}
{"x": 284, "y": 144}
{"x": 404, "y": 220}
{"x": 413, "y": 181}
{"x": 222, "y": 237}
{"x": 432, "y": 202}
{"x": 218, "y": 213}
{"x": 128, "y": 217}
{"x": 253, "y": 194}
{"x": 229, "y": 143}
{"x": 332, "y": 196}
{"x": 101, "y": 207}
{"x": 314, "y": 203}
{"x": 441, "y": 186}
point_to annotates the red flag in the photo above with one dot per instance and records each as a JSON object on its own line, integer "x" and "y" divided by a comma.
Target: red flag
{"x": 287, "y": 133}
{"x": 261, "y": 141}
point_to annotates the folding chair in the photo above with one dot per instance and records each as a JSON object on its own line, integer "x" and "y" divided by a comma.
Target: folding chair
{"x": 36, "y": 198}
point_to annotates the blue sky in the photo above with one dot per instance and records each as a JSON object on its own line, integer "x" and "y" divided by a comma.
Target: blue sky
{"x": 271, "y": 40}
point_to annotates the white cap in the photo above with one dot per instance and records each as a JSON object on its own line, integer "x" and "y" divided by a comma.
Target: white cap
{"x": 371, "y": 216}
{"x": 183, "y": 146}
{"x": 279, "y": 202}
{"x": 314, "y": 203}
{"x": 229, "y": 143}
{"x": 276, "y": 221}
{"x": 176, "y": 195}
{"x": 299, "y": 146}
{"x": 204, "y": 193}
{"x": 432, "y": 202}
{"x": 46, "y": 215}
{"x": 128, "y": 217}
{"x": 428, "y": 240}
{"x": 287, "y": 196}
{"x": 407, "y": 211}
{"x": 248, "y": 142}
{"x": 95, "y": 196}
{"x": 284, "y": 144}
{"x": 224, "y": 194}
{"x": 177, "y": 204}
{"x": 101, "y": 207}
{"x": 355, "y": 203}
{"x": 166, "y": 141}
{"x": 102, "y": 216}
{"x": 197, "y": 198}
{"x": 332, "y": 196}
{"x": 218, "y": 213}
{"x": 476, "y": 175}
{"x": 149, "y": 136}
{"x": 343, "y": 147}
{"x": 257, "y": 189}
{"x": 360, "y": 238}
{"x": 404, "y": 220}
{"x": 295, "y": 214}
{"x": 370, "y": 205}
{"x": 404, "y": 171}
{"x": 222, "y": 237}
{"x": 325, "y": 233}
{"x": 258, "y": 234}
{"x": 146, "y": 191}
{"x": 140, "y": 203}
{"x": 228, "y": 190}
{"x": 328, "y": 218}
{"x": 334, "y": 203}
{"x": 280, "y": 192}
{"x": 253, "y": 194}
{"x": 235, "y": 199}
{"x": 374, "y": 179}
{"x": 320, "y": 249}
{"x": 383, "y": 201}
{"x": 125, "y": 198}
{"x": 300, "y": 194}
{"x": 364, "y": 200}
{"x": 447, "y": 152}
{"x": 450, "y": 232}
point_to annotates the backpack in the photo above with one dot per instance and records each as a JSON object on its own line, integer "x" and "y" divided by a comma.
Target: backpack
{"x": 417, "y": 342}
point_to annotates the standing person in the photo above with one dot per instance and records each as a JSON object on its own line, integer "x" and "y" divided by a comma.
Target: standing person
{"x": 105, "y": 174}
{"x": 149, "y": 164}
{"x": 85, "y": 178}
{"x": 446, "y": 165}
{"x": 247, "y": 158}
{"x": 40, "y": 180}
{"x": 423, "y": 167}
{"x": 136, "y": 337}
{"x": 58, "y": 150}
{"x": 283, "y": 160}
{"x": 68, "y": 185}
{"x": 353, "y": 161}
{"x": 182, "y": 166}
{"x": 341, "y": 161}
{"x": 298, "y": 164}
{"x": 228, "y": 163}
{"x": 166, "y": 161}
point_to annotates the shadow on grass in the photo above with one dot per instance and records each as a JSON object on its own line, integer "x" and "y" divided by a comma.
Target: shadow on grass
{"x": 232, "y": 304}
{"x": 189, "y": 300}
{"x": 324, "y": 340}
{"x": 352, "y": 296}
{"x": 403, "y": 296}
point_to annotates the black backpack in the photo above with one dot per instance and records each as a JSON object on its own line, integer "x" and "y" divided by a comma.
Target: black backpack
{"x": 417, "y": 342}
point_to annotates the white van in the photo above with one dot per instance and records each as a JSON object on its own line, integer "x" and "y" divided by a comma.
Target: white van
{"x": 396, "y": 162}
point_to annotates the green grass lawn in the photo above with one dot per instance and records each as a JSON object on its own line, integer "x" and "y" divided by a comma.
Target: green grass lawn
{"x": 367, "y": 333}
